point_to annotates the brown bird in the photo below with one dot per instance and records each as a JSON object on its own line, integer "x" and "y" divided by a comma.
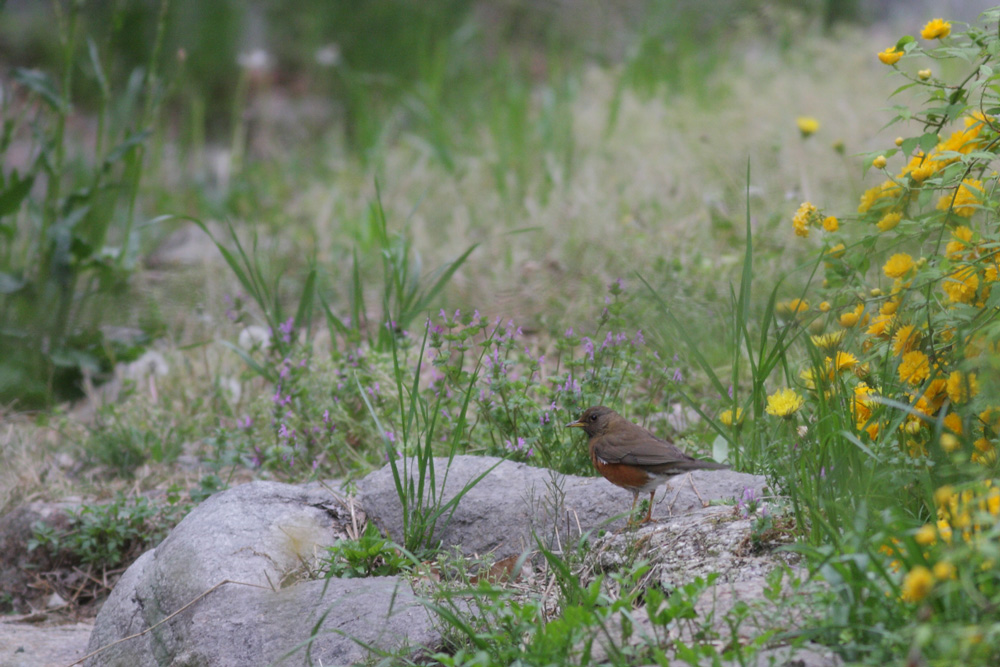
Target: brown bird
{"x": 631, "y": 457}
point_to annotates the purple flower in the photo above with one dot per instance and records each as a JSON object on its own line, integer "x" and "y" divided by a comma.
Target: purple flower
{"x": 678, "y": 376}
{"x": 569, "y": 332}
{"x": 639, "y": 338}
{"x": 588, "y": 347}
{"x": 286, "y": 329}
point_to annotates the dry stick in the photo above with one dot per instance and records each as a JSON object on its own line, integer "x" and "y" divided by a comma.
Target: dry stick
{"x": 153, "y": 627}
{"x": 695, "y": 489}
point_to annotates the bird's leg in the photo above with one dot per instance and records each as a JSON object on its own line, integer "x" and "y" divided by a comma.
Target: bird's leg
{"x": 649, "y": 513}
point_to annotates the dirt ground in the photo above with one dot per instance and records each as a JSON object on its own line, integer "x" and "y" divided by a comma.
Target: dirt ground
{"x": 25, "y": 642}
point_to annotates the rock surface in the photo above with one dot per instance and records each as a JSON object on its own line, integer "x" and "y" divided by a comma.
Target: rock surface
{"x": 501, "y": 512}
{"x": 264, "y": 536}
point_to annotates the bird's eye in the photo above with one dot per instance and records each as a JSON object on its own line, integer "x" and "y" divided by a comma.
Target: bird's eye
{"x": 593, "y": 418}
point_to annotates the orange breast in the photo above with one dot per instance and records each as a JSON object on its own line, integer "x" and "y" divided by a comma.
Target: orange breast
{"x": 623, "y": 475}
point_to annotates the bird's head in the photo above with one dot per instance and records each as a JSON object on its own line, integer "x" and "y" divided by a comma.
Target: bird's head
{"x": 595, "y": 420}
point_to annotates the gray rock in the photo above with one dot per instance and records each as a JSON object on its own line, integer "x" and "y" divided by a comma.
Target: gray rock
{"x": 262, "y": 538}
{"x": 690, "y": 545}
{"x": 500, "y": 513}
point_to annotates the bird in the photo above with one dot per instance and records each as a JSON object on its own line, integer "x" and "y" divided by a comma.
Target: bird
{"x": 629, "y": 456}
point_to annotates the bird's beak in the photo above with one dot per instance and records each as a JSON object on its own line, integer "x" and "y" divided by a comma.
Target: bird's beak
{"x": 576, "y": 424}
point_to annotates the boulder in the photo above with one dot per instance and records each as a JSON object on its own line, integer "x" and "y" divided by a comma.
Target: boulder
{"x": 500, "y": 514}
{"x": 229, "y": 586}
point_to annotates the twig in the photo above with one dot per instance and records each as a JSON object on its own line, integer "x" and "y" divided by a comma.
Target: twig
{"x": 695, "y": 489}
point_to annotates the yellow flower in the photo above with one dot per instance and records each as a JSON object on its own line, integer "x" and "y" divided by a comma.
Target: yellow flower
{"x": 726, "y": 417}
{"x": 879, "y": 162}
{"x": 824, "y": 306}
{"x": 828, "y": 340}
{"x": 917, "y": 584}
{"x": 898, "y": 141}
{"x": 936, "y": 29}
{"x": 993, "y": 502}
{"x": 953, "y": 421}
{"x": 914, "y": 368}
{"x": 984, "y": 458}
{"x": 842, "y": 361}
{"x": 950, "y": 442}
{"x": 962, "y": 387}
{"x": 852, "y": 317}
{"x": 783, "y": 403}
{"x": 960, "y": 243}
{"x": 880, "y": 325}
{"x": 889, "y": 220}
{"x": 898, "y": 265}
{"x": 944, "y": 530}
{"x": 944, "y": 570}
{"x": 926, "y": 535}
{"x": 924, "y": 74}
{"x": 890, "y": 56}
{"x": 807, "y": 125}
{"x": 830, "y": 224}
{"x": 906, "y": 338}
{"x": 837, "y": 250}
{"x": 872, "y": 195}
{"x": 944, "y": 495}
{"x": 961, "y": 285}
{"x": 803, "y": 218}
{"x": 963, "y": 200}
{"x": 863, "y": 403}
{"x": 791, "y": 307}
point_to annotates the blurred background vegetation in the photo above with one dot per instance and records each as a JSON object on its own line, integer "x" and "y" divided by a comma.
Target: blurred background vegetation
{"x": 363, "y": 164}
{"x": 483, "y": 120}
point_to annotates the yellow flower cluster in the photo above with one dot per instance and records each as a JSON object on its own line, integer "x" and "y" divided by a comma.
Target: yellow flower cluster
{"x": 804, "y": 218}
{"x": 970, "y": 512}
{"x": 784, "y": 403}
{"x": 890, "y": 196}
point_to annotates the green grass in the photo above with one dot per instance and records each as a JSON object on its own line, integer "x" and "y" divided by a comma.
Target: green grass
{"x": 465, "y": 261}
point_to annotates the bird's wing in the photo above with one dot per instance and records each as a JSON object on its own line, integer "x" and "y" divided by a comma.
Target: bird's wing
{"x": 638, "y": 447}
